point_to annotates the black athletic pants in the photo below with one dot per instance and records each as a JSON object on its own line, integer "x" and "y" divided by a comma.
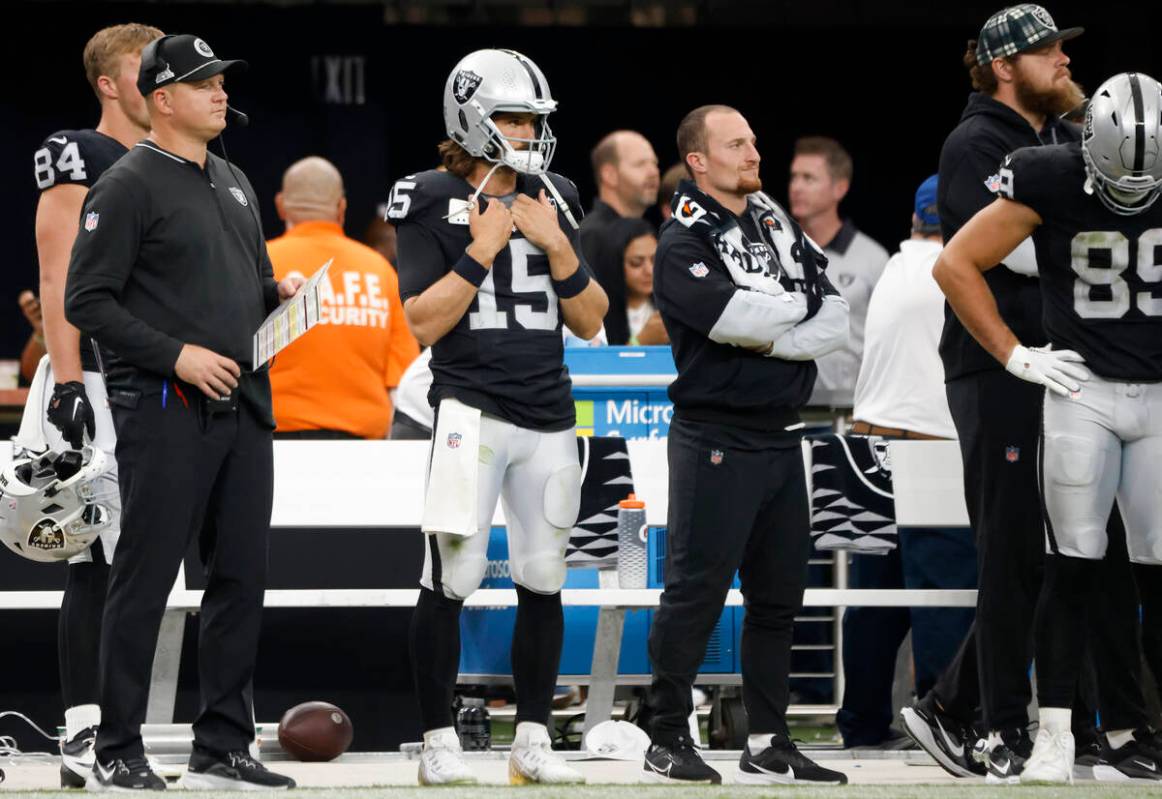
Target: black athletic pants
{"x": 79, "y": 628}
{"x": 998, "y": 422}
{"x": 738, "y": 501}
{"x": 185, "y": 473}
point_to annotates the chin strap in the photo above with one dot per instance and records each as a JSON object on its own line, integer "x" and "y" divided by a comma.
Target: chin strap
{"x": 564, "y": 206}
{"x": 556, "y": 195}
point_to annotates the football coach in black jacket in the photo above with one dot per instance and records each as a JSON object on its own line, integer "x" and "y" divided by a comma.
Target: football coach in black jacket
{"x": 748, "y": 309}
{"x": 170, "y": 273}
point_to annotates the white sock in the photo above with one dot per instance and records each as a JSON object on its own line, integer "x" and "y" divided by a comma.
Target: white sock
{"x": 528, "y": 732}
{"x": 81, "y": 717}
{"x": 1119, "y": 738}
{"x": 757, "y": 743}
{"x": 442, "y": 733}
{"x": 1056, "y": 719}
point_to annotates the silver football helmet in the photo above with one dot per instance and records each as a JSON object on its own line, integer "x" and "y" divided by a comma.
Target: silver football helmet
{"x": 53, "y": 506}
{"x": 489, "y": 81}
{"x": 1122, "y": 143}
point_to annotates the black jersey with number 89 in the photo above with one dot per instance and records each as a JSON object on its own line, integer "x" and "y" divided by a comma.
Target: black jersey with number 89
{"x": 505, "y": 355}
{"x": 1101, "y": 273}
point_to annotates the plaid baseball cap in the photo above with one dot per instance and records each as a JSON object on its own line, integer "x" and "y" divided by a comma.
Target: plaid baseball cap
{"x": 927, "y": 220}
{"x": 1016, "y": 29}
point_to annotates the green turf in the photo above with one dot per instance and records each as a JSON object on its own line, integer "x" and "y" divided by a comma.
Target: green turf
{"x": 1085, "y": 791}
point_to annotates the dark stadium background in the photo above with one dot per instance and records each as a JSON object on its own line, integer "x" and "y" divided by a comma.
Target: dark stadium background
{"x": 884, "y": 78}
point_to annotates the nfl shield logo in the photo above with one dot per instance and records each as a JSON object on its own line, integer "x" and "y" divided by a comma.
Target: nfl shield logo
{"x": 993, "y": 183}
{"x": 91, "y": 220}
{"x": 715, "y": 457}
{"x": 699, "y": 270}
{"x": 454, "y": 440}
{"x": 1012, "y": 454}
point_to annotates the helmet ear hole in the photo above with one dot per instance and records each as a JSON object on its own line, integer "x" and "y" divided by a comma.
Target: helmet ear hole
{"x": 463, "y": 120}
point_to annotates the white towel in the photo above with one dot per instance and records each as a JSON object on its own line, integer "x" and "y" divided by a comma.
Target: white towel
{"x": 450, "y": 498}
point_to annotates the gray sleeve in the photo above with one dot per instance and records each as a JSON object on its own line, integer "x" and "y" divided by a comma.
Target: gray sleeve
{"x": 753, "y": 318}
{"x": 825, "y": 332}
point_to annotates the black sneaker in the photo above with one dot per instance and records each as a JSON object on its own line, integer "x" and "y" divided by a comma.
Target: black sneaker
{"x": 1140, "y": 760}
{"x": 133, "y": 774}
{"x": 678, "y": 762}
{"x": 230, "y": 771}
{"x": 1005, "y": 760}
{"x": 78, "y": 758}
{"x": 947, "y": 740}
{"x": 782, "y": 763}
{"x": 1088, "y": 755}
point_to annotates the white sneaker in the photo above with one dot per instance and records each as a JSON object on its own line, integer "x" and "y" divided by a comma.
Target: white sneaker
{"x": 442, "y": 761}
{"x": 533, "y": 761}
{"x": 1052, "y": 758}
{"x": 78, "y": 754}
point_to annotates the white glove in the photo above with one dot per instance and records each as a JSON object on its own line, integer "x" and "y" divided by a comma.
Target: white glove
{"x": 1060, "y": 371}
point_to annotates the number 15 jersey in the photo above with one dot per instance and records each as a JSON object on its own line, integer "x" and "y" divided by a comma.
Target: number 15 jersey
{"x": 1101, "y": 273}
{"x": 505, "y": 356}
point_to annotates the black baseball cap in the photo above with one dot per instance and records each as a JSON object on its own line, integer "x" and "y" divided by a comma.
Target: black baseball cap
{"x": 175, "y": 59}
{"x": 1016, "y": 29}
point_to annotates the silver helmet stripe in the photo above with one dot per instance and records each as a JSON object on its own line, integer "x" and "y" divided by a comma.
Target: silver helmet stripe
{"x": 1139, "y": 124}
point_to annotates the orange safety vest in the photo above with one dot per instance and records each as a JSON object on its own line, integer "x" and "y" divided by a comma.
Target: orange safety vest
{"x": 336, "y": 377}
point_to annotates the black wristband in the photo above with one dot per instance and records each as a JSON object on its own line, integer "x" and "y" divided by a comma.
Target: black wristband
{"x": 470, "y": 269}
{"x": 573, "y": 285}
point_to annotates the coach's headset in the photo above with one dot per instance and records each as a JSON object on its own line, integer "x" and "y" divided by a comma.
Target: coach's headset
{"x": 153, "y": 62}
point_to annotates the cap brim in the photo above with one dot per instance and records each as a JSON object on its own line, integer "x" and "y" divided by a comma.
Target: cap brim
{"x": 1061, "y": 36}
{"x": 212, "y": 69}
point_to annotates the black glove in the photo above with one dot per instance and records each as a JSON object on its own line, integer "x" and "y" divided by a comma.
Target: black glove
{"x": 70, "y": 412}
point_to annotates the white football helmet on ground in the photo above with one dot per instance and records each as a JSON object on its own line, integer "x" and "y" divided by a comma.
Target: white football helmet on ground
{"x": 52, "y": 506}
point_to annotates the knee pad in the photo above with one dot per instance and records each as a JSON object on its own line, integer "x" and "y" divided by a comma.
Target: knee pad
{"x": 562, "y": 497}
{"x": 460, "y": 572}
{"x": 543, "y": 573}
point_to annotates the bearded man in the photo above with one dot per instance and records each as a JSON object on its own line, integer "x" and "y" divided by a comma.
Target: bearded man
{"x": 1024, "y": 87}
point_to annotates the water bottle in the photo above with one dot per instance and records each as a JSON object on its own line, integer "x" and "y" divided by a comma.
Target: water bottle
{"x": 474, "y": 726}
{"x": 632, "y": 558}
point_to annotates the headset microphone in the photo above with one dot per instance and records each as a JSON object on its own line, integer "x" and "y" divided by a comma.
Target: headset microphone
{"x": 237, "y": 117}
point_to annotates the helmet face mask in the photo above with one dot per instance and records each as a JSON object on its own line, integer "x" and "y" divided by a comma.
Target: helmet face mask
{"x": 489, "y": 82}
{"x": 54, "y": 505}
{"x": 1121, "y": 144}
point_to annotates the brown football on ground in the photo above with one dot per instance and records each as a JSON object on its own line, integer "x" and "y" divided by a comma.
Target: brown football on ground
{"x": 315, "y": 732}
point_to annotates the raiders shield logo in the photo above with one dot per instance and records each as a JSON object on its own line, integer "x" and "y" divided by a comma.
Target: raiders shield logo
{"x": 464, "y": 85}
{"x": 239, "y": 196}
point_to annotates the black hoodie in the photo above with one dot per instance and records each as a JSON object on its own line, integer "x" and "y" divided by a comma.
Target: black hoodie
{"x": 969, "y": 161}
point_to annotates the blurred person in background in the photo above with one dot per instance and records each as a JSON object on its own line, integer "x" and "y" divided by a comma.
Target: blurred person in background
{"x": 34, "y": 348}
{"x": 335, "y": 383}
{"x": 635, "y": 242}
{"x": 821, "y": 173}
{"x": 669, "y": 185}
{"x": 380, "y": 234}
{"x": 625, "y": 171}
{"x": 900, "y": 395}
